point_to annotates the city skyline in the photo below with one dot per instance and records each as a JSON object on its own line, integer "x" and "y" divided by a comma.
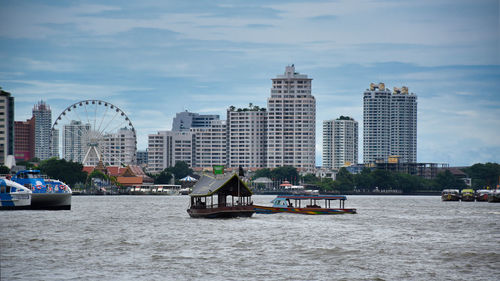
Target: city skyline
{"x": 154, "y": 60}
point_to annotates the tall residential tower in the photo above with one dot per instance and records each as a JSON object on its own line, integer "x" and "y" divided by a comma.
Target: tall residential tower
{"x": 389, "y": 124}
{"x": 291, "y": 125}
{"x": 340, "y": 142}
{"x": 43, "y": 122}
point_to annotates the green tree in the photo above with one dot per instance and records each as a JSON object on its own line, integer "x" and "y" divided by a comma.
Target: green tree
{"x": 446, "y": 180}
{"x": 344, "y": 181}
{"x": 285, "y": 173}
{"x": 364, "y": 179}
{"x": 68, "y": 172}
{"x": 262, "y": 173}
{"x": 382, "y": 179}
{"x": 4, "y": 170}
{"x": 310, "y": 179}
{"x": 484, "y": 175}
{"x": 163, "y": 178}
{"x": 180, "y": 170}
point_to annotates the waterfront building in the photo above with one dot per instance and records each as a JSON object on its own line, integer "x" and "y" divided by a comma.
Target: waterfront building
{"x": 389, "y": 124}
{"x": 291, "y": 122}
{"x": 24, "y": 139}
{"x": 340, "y": 142}
{"x": 74, "y": 141}
{"x": 247, "y": 137}
{"x": 165, "y": 148}
{"x": 187, "y": 120}
{"x": 142, "y": 157}
{"x": 118, "y": 148}
{"x": 210, "y": 144}
{"x": 6, "y": 126}
{"x": 43, "y": 122}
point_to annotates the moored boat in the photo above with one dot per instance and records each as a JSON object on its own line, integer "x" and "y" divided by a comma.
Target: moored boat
{"x": 14, "y": 196}
{"x": 494, "y": 196}
{"x": 224, "y": 196}
{"x": 47, "y": 194}
{"x": 482, "y": 195}
{"x": 450, "y": 195}
{"x": 306, "y": 204}
{"x": 468, "y": 195}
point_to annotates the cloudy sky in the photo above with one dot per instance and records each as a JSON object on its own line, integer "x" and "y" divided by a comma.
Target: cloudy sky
{"x": 155, "y": 58}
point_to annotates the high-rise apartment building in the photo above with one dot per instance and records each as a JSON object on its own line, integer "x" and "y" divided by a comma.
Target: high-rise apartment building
{"x": 6, "y": 126}
{"x": 43, "y": 123}
{"x": 119, "y": 148}
{"x": 210, "y": 145}
{"x": 340, "y": 142}
{"x": 389, "y": 124}
{"x": 247, "y": 137}
{"x": 187, "y": 120}
{"x": 24, "y": 139}
{"x": 165, "y": 148}
{"x": 75, "y": 140}
{"x": 291, "y": 125}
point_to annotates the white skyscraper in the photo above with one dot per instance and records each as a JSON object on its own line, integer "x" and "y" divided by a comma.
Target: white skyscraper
{"x": 389, "y": 124}
{"x": 43, "y": 123}
{"x": 340, "y": 142}
{"x": 75, "y": 141}
{"x": 291, "y": 126}
{"x": 247, "y": 137}
{"x": 114, "y": 149}
{"x": 210, "y": 144}
{"x": 165, "y": 148}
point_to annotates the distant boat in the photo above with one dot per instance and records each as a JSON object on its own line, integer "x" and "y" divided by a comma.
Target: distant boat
{"x": 306, "y": 204}
{"x": 47, "y": 194}
{"x": 494, "y": 196}
{"x": 14, "y": 196}
{"x": 468, "y": 195}
{"x": 482, "y": 195}
{"x": 224, "y": 196}
{"x": 450, "y": 195}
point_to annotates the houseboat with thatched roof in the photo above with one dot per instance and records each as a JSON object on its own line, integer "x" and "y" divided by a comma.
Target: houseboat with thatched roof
{"x": 220, "y": 196}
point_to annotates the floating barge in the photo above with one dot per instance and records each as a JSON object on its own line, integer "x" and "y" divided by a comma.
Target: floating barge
{"x": 307, "y": 205}
{"x": 220, "y": 196}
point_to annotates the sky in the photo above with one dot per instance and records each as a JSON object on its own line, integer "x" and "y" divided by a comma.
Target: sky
{"x": 153, "y": 59}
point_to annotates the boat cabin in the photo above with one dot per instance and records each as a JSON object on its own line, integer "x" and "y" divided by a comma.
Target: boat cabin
{"x": 308, "y": 201}
{"x": 220, "y": 196}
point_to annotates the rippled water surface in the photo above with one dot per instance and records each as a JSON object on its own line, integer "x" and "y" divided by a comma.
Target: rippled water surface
{"x": 153, "y": 238}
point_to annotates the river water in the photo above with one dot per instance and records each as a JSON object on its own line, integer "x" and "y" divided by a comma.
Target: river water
{"x": 153, "y": 238}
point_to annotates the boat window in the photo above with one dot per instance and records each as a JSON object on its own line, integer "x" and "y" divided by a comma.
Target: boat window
{"x": 7, "y": 189}
{"x": 2, "y": 189}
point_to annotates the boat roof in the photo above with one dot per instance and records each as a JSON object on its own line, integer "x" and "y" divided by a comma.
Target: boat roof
{"x": 28, "y": 171}
{"x": 229, "y": 184}
{"x": 315, "y": 197}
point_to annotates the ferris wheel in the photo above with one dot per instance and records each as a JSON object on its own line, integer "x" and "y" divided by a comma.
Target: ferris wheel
{"x": 93, "y": 131}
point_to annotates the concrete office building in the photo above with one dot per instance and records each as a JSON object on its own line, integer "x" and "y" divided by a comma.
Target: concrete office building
{"x": 24, "y": 139}
{"x": 340, "y": 142}
{"x": 165, "y": 148}
{"x": 6, "y": 126}
{"x": 210, "y": 145}
{"x": 187, "y": 120}
{"x": 43, "y": 123}
{"x": 74, "y": 140}
{"x": 247, "y": 137}
{"x": 389, "y": 124}
{"x": 291, "y": 125}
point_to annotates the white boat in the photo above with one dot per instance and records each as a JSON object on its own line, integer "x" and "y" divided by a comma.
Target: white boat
{"x": 14, "y": 196}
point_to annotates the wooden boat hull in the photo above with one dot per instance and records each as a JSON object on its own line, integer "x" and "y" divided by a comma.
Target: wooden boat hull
{"x": 222, "y": 212}
{"x": 468, "y": 198}
{"x": 305, "y": 211}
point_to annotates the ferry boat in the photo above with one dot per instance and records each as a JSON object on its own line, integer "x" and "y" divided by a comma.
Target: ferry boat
{"x": 468, "y": 195}
{"x": 14, "y": 196}
{"x": 482, "y": 195}
{"x": 450, "y": 195}
{"x": 220, "y": 196}
{"x": 306, "y": 204}
{"x": 47, "y": 194}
